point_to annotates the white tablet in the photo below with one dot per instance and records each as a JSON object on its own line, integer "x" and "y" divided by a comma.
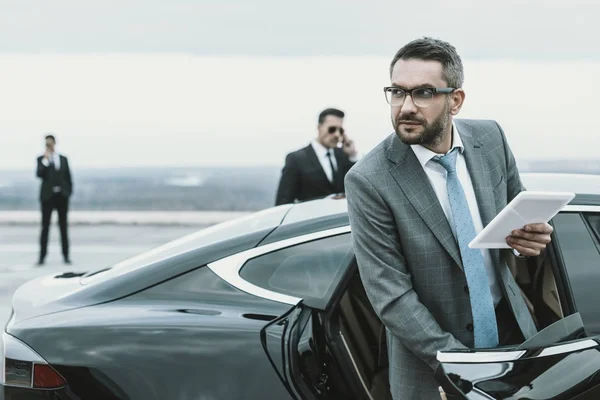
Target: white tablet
{"x": 526, "y": 208}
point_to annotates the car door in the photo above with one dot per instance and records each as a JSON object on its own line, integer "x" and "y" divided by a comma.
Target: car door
{"x": 295, "y": 347}
{"x": 303, "y": 272}
{"x": 295, "y": 342}
{"x": 577, "y": 236}
{"x": 556, "y": 363}
{"x": 569, "y": 370}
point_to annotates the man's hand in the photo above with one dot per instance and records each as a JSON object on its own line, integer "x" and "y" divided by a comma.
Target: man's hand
{"x": 348, "y": 147}
{"x": 531, "y": 240}
{"x": 47, "y": 155}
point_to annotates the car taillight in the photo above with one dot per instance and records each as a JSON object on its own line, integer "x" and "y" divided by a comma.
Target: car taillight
{"x": 21, "y": 366}
{"x": 44, "y": 376}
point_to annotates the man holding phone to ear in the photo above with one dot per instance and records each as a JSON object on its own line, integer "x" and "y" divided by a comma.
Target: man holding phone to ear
{"x": 318, "y": 170}
{"x": 56, "y": 189}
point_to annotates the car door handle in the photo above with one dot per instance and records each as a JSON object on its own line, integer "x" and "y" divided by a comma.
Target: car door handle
{"x": 487, "y": 356}
{"x": 567, "y": 348}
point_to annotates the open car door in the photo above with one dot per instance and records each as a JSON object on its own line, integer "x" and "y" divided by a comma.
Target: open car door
{"x": 295, "y": 347}
{"x": 556, "y": 363}
{"x": 295, "y": 344}
{"x": 274, "y": 338}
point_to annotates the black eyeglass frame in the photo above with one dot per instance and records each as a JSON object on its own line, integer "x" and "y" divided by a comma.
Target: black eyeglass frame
{"x": 434, "y": 90}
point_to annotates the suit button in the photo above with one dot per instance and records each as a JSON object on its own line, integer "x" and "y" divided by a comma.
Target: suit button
{"x": 469, "y": 327}
{"x": 466, "y": 289}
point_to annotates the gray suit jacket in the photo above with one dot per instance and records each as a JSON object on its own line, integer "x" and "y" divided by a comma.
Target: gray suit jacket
{"x": 408, "y": 258}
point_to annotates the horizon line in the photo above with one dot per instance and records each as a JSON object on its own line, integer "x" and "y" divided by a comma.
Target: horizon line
{"x": 278, "y": 165}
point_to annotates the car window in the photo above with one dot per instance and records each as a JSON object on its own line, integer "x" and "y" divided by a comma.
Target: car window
{"x": 309, "y": 270}
{"x": 581, "y": 257}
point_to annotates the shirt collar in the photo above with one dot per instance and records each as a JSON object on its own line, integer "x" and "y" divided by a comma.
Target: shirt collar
{"x": 319, "y": 149}
{"x": 424, "y": 155}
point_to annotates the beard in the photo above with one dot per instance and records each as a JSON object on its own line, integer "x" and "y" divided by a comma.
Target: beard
{"x": 432, "y": 133}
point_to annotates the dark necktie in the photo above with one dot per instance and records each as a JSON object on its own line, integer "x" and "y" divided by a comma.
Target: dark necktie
{"x": 333, "y": 170}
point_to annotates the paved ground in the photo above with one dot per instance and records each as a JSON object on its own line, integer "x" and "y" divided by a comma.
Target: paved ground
{"x": 92, "y": 247}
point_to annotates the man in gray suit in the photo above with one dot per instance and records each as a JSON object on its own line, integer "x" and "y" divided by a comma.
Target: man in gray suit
{"x": 415, "y": 202}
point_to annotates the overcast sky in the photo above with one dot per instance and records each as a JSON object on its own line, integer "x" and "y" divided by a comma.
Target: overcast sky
{"x": 523, "y": 29}
{"x": 145, "y": 82}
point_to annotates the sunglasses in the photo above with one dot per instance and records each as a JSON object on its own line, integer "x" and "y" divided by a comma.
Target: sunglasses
{"x": 333, "y": 129}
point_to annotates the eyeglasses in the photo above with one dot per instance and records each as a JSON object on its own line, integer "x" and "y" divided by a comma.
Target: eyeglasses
{"x": 422, "y": 97}
{"x": 332, "y": 129}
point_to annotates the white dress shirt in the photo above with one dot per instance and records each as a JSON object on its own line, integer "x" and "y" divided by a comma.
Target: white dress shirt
{"x": 321, "y": 152}
{"x": 437, "y": 176}
{"x": 55, "y": 159}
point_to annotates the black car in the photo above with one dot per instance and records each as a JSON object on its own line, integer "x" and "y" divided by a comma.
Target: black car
{"x": 271, "y": 306}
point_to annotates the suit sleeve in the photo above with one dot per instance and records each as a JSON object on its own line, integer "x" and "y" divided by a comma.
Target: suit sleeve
{"x": 514, "y": 186}
{"x": 385, "y": 275}
{"x": 289, "y": 183}
{"x": 68, "y": 175}
{"x": 347, "y": 162}
{"x": 41, "y": 168}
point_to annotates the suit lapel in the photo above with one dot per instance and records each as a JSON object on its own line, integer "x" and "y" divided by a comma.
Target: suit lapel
{"x": 480, "y": 176}
{"x": 316, "y": 164}
{"x": 412, "y": 179}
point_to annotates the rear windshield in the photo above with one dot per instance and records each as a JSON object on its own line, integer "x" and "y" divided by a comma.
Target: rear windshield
{"x": 255, "y": 222}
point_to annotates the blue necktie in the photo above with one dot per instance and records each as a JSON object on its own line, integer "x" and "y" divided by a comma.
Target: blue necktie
{"x": 485, "y": 328}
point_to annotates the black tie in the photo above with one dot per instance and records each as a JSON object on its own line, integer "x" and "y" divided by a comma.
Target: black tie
{"x": 333, "y": 170}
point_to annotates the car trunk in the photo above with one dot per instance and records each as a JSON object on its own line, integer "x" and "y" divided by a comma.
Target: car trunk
{"x": 46, "y": 295}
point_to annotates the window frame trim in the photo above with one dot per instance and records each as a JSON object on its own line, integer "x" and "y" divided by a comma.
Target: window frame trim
{"x": 228, "y": 268}
{"x": 580, "y": 208}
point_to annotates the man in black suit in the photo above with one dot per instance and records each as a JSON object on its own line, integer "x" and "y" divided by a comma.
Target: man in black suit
{"x": 318, "y": 170}
{"x": 55, "y": 191}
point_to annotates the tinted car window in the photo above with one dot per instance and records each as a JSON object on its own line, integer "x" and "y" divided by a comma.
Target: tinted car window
{"x": 309, "y": 270}
{"x": 582, "y": 261}
{"x": 594, "y": 221}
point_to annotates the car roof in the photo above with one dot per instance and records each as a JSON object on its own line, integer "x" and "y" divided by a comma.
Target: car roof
{"x": 586, "y": 188}
{"x": 182, "y": 255}
{"x": 267, "y": 226}
{"x": 580, "y": 184}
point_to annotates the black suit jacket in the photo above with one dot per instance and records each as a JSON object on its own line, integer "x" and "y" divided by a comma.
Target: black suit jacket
{"x": 303, "y": 178}
{"x": 62, "y": 179}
